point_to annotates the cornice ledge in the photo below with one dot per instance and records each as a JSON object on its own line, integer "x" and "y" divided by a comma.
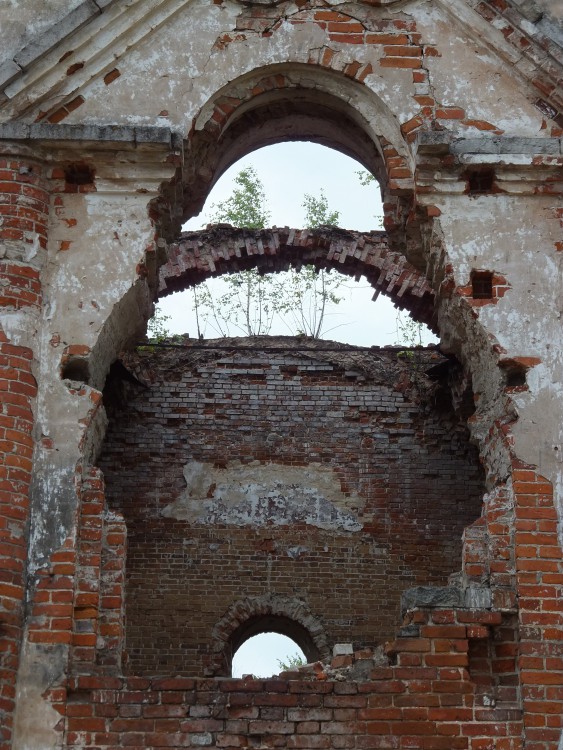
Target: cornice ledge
{"x": 132, "y": 135}
{"x": 441, "y": 143}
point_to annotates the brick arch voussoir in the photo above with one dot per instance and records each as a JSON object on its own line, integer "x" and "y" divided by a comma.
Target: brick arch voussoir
{"x": 323, "y": 96}
{"x": 227, "y": 104}
{"x": 268, "y": 606}
{"x": 222, "y": 249}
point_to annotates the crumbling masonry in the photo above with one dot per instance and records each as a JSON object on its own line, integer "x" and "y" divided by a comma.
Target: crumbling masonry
{"x": 158, "y": 508}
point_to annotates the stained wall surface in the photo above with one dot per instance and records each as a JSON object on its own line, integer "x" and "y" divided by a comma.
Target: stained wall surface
{"x": 338, "y": 482}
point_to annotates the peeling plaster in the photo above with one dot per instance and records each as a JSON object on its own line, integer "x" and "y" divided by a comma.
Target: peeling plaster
{"x": 36, "y": 719}
{"x": 26, "y": 19}
{"x": 173, "y": 50}
{"x": 260, "y": 495}
{"x": 186, "y": 75}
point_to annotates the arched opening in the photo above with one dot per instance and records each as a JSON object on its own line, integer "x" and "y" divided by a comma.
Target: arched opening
{"x": 292, "y": 102}
{"x": 354, "y": 312}
{"x": 266, "y": 655}
{"x": 253, "y": 623}
{"x": 269, "y": 645}
{"x": 196, "y": 509}
{"x": 322, "y": 104}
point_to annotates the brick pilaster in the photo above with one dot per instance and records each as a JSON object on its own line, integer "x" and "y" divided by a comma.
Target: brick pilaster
{"x": 23, "y": 238}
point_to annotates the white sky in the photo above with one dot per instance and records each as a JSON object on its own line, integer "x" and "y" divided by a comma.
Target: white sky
{"x": 288, "y": 171}
{"x": 261, "y": 655}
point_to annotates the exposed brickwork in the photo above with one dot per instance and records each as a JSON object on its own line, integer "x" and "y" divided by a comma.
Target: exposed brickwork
{"x": 80, "y": 597}
{"x": 16, "y": 424}
{"x": 539, "y": 576}
{"x": 226, "y": 105}
{"x": 420, "y": 93}
{"x": 236, "y": 626}
{"x": 24, "y": 202}
{"x": 88, "y": 569}
{"x": 515, "y": 548}
{"x": 224, "y": 249}
{"x": 66, "y": 600}
{"x": 397, "y": 43}
{"x": 415, "y": 478}
{"x": 499, "y": 287}
{"x": 112, "y": 589}
{"x": 62, "y": 113}
{"x": 23, "y": 227}
{"x": 50, "y": 619}
{"x": 425, "y": 700}
{"x": 397, "y": 175}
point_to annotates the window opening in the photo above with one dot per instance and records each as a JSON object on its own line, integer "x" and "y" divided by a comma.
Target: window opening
{"x": 480, "y": 181}
{"x": 79, "y": 174}
{"x": 76, "y": 368}
{"x": 266, "y": 655}
{"x": 482, "y": 285}
{"x": 288, "y": 172}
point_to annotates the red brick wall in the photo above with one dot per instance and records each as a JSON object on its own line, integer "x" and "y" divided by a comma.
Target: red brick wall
{"x": 23, "y": 223}
{"x": 405, "y": 459}
{"x": 423, "y": 700}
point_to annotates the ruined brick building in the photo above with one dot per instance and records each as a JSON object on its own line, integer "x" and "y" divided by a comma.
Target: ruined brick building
{"x": 158, "y": 508}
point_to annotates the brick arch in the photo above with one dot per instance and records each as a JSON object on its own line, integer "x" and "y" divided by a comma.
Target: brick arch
{"x": 224, "y": 249}
{"x": 269, "y": 613}
{"x": 322, "y": 99}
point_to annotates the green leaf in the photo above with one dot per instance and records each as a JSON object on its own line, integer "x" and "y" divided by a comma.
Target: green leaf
{"x": 251, "y": 301}
{"x": 247, "y": 206}
{"x": 317, "y": 212}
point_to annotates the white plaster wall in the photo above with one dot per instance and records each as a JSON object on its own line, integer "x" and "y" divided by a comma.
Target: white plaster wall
{"x": 22, "y": 21}
{"x": 515, "y": 236}
{"x": 170, "y": 67}
{"x": 553, "y": 8}
{"x": 186, "y": 74}
{"x": 471, "y": 74}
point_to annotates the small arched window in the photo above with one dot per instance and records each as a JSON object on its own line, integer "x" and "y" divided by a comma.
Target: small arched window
{"x": 266, "y": 655}
{"x": 266, "y": 614}
{"x": 270, "y": 624}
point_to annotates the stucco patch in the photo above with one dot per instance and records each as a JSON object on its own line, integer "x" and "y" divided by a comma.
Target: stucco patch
{"x": 259, "y": 495}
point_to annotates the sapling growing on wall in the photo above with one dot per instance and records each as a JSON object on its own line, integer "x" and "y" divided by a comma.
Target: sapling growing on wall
{"x": 292, "y": 661}
{"x": 311, "y": 290}
{"x": 251, "y": 300}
